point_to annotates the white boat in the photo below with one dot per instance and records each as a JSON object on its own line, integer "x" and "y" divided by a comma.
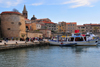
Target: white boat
{"x": 74, "y": 40}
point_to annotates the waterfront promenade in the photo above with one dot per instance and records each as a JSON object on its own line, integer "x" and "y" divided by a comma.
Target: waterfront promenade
{"x": 20, "y": 44}
{"x": 13, "y": 42}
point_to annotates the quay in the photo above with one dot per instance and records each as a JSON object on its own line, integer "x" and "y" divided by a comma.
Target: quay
{"x": 20, "y": 44}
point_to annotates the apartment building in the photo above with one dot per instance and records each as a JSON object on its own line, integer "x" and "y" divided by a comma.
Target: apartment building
{"x": 71, "y": 27}
{"x": 61, "y": 27}
{"x": 81, "y": 28}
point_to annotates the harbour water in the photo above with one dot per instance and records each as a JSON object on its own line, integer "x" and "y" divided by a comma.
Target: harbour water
{"x": 51, "y": 56}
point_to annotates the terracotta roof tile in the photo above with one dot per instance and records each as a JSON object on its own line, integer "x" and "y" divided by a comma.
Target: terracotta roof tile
{"x": 71, "y": 23}
{"x": 80, "y": 25}
{"x": 91, "y": 24}
{"x": 11, "y": 12}
{"x": 48, "y": 22}
{"x": 26, "y": 19}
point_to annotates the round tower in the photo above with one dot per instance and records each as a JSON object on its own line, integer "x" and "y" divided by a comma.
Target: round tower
{"x": 12, "y": 24}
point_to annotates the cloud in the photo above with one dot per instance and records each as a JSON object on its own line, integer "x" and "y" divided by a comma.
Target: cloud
{"x": 6, "y": 3}
{"x": 79, "y": 3}
{"x": 37, "y": 4}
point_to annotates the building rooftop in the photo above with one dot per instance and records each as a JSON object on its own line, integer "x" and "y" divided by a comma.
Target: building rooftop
{"x": 80, "y": 25}
{"x": 10, "y": 12}
{"x": 71, "y": 23}
{"x": 26, "y": 19}
{"x": 91, "y": 24}
{"x": 48, "y": 22}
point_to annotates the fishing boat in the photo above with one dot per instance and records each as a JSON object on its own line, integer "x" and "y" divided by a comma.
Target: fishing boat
{"x": 77, "y": 40}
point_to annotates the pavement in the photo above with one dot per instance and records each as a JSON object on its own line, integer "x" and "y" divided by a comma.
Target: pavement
{"x": 13, "y": 42}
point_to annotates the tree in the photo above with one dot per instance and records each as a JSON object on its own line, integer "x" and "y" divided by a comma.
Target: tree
{"x": 15, "y": 10}
{"x": 23, "y": 35}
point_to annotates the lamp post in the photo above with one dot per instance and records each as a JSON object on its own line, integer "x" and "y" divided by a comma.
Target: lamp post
{"x": 27, "y": 32}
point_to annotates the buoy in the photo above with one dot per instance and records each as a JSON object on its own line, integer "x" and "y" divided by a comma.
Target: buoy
{"x": 61, "y": 43}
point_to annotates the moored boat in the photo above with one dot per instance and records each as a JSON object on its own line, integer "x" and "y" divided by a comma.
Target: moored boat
{"x": 74, "y": 40}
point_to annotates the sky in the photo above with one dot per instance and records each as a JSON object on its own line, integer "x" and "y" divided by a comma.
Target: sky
{"x": 80, "y": 11}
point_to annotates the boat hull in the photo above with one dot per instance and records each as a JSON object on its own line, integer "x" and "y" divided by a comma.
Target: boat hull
{"x": 59, "y": 43}
{"x": 77, "y": 43}
{"x": 87, "y": 43}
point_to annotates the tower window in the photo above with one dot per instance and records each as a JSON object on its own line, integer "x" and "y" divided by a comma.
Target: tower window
{"x": 19, "y": 23}
{"x": 8, "y": 28}
{"x": 30, "y": 27}
{"x": 24, "y": 13}
{"x": 12, "y": 22}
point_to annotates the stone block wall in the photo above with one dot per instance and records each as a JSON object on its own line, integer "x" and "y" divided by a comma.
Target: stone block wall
{"x": 12, "y": 25}
{"x": 34, "y": 35}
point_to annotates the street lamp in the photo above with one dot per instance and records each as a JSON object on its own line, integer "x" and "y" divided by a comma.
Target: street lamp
{"x": 27, "y": 32}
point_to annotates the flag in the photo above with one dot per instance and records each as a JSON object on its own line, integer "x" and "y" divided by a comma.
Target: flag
{"x": 76, "y": 31}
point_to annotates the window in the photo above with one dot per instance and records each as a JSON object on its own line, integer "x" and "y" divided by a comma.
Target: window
{"x": 19, "y": 23}
{"x": 12, "y": 22}
{"x": 27, "y": 28}
{"x": 82, "y": 27}
{"x": 24, "y": 13}
{"x": 8, "y": 28}
{"x": 30, "y": 27}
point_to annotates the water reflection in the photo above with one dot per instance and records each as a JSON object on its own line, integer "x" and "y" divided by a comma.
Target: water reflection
{"x": 51, "y": 56}
{"x": 79, "y": 49}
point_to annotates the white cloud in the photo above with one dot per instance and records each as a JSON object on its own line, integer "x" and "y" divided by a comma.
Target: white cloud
{"x": 6, "y": 3}
{"x": 37, "y": 4}
{"x": 79, "y": 3}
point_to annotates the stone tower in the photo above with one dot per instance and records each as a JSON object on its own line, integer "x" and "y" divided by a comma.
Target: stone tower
{"x": 13, "y": 24}
{"x": 24, "y": 12}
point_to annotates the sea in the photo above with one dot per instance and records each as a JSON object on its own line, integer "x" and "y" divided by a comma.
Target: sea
{"x": 51, "y": 56}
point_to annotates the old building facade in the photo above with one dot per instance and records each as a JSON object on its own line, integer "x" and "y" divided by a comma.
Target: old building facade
{"x": 71, "y": 27}
{"x": 94, "y": 28}
{"x": 0, "y": 26}
{"x": 31, "y": 26}
{"x": 50, "y": 25}
{"x": 12, "y": 24}
{"x": 81, "y": 28}
{"x": 61, "y": 27}
{"x": 45, "y": 23}
{"x": 46, "y": 33}
{"x": 32, "y": 34}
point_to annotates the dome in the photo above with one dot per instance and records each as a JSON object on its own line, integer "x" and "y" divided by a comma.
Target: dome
{"x": 33, "y": 18}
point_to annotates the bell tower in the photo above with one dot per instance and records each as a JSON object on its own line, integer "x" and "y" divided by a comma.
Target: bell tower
{"x": 24, "y": 12}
